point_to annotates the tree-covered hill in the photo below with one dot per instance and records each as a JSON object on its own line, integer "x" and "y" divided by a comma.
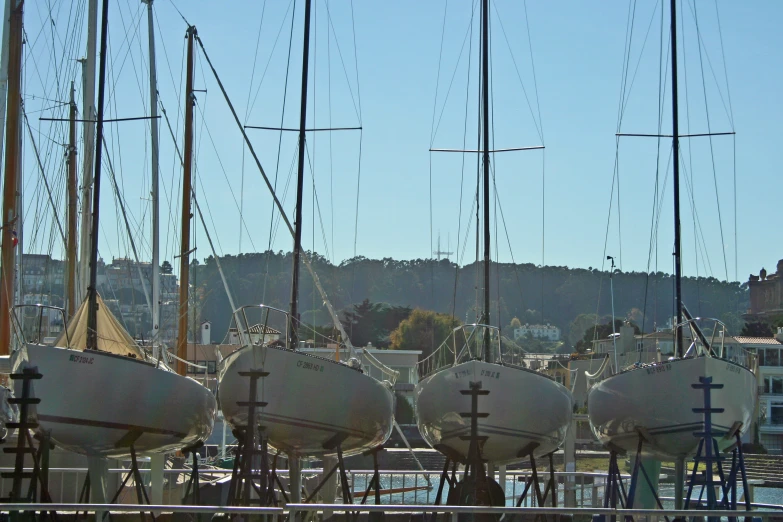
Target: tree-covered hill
{"x": 548, "y": 294}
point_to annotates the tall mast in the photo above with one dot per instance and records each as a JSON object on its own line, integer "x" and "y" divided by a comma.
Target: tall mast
{"x": 73, "y": 210}
{"x": 676, "y": 161}
{"x": 4, "y": 68}
{"x": 485, "y": 157}
{"x": 92, "y": 291}
{"x": 155, "y": 200}
{"x": 184, "y": 266}
{"x": 88, "y": 107}
{"x": 10, "y": 211}
{"x": 300, "y": 179}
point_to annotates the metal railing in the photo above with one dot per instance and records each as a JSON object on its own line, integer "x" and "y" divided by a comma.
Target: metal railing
{"x": 38, "y": 324}
{"x": 453, "y": 511}
{"x": 581, "y": 489}
{"x": 468, "y": 342}
{"x": 244, "y": 326}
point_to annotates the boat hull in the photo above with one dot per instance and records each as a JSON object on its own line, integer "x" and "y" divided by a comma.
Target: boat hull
{"x": 310, "y": 401}
{"x": 96, "y": 403}
{"x": 660, "y": 399}
{"x": 528, "y": 412}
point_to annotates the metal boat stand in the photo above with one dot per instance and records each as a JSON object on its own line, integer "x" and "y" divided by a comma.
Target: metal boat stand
{"x": 251, "y": 474}
{"x": 452, "y": 460}
{"x": 476, "y": 488}
{"x": 193, "y": 482}
{"x": 709, "y": 454}
{"x": 533, "y": 481}
{"x": 374, "y": 484}
{"x": 616, "y": 496}
{"x": 335, "y": 443}
{"x": 25, "y": 445}
{"x": 141, "y": 492}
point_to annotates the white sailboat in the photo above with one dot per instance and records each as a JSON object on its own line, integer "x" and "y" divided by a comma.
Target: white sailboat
{"x": 312, "y": 402}
{"x": 529, "y": 412}
{"x": 657, "y": 399}
{"x": 100, "y": 393}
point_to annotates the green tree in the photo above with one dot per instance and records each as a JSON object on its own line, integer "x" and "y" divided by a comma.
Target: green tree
{"x": 373, "y": 322}
{"x": 576, "y": 329}
{"x": 515, "y": 323}
{"x": 423, "y": 330}
{"x": 166, "y": 268}
{"x": 757, "y": 329}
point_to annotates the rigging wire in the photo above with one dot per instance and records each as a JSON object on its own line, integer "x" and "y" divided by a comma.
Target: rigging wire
{"x": 460, "y": 258}
{"x": 712, "y": 151}
{"x": 247, "y": 114}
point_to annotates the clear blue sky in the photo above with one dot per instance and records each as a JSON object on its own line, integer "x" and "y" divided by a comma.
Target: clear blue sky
{"x": 577, "y": 50}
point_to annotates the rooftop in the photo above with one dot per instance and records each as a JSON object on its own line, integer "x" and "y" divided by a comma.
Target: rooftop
{"x": 756, "y": 340}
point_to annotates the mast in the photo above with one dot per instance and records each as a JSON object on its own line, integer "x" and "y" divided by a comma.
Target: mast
{"x": 676, "y": 171}
{"x": 12, "y": 153}
{"x": 300, "y": 180}
{"x": 184, "y": 267}
{"x": 485, "y": 157}
{"x": 72, "y": 212}
{"x": 88, "y": 106}
{"x": 4, "y": 68}
{"x": 155, "y": 201}
{"x": 92, "y": 292}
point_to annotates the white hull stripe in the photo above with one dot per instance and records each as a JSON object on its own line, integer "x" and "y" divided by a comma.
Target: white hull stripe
{"x": 110, "y": 425}
{"x": 321, "y": 426}
{"x": 676, "y": 428}
{"x": 498, "y": 430}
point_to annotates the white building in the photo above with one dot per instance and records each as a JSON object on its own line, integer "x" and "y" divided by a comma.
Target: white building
{"x": 769, "y": 351}
{"x": 256, "y": 337}
{"x": 538, "y": 331}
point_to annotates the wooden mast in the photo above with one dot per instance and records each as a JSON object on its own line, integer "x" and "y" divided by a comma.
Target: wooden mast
{"x": 92, "y": 290}
{"x": 294, "y": 323}
{"x": 184, "y": 266}
{"x": 11, "y": 179}
{"x": 73, "y": 211}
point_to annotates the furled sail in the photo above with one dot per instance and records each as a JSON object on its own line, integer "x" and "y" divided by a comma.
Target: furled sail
{"x": 112, "y": 337}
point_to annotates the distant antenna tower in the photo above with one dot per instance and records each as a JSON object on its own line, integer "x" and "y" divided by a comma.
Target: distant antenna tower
{"x": 440, "y": 252}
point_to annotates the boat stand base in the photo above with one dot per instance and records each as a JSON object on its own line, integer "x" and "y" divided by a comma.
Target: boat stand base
{"x": 252, "y": 482}
{"x": 708, "y": 454}
{"x": 141, "y": 492}
{"x": 39, "y": 476}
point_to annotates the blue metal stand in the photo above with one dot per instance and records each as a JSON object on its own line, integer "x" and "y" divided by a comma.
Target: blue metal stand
{"x": 709, "y": 454}
{"x": 616, "y": 495}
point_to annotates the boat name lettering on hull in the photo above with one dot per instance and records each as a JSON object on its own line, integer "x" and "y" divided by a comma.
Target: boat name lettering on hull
{"x": 732, "y": 368}
{"x": 81, "y": 359}
{"x": 462, "y": 373}
{"x": 490, "y": 374}
{"x": 659, "y": 369}
{"x": 306, "y": 365}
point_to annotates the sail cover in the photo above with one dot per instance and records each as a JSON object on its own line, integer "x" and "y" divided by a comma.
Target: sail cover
{"x": 112, "y": 337}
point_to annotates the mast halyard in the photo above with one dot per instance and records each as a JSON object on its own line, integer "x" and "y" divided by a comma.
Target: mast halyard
{"x": 11, "y": 178}
{"x": 92, "y": 291}
{"x": 485, "y": 160}
{"x": 676, "y": 180}
{"x": 300, "y": 181}
{"x": 184, "y": 266}
{"x": 88, "y": 107}
{"x": 155, "y": 182}
{"x": 73, "y": 210}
